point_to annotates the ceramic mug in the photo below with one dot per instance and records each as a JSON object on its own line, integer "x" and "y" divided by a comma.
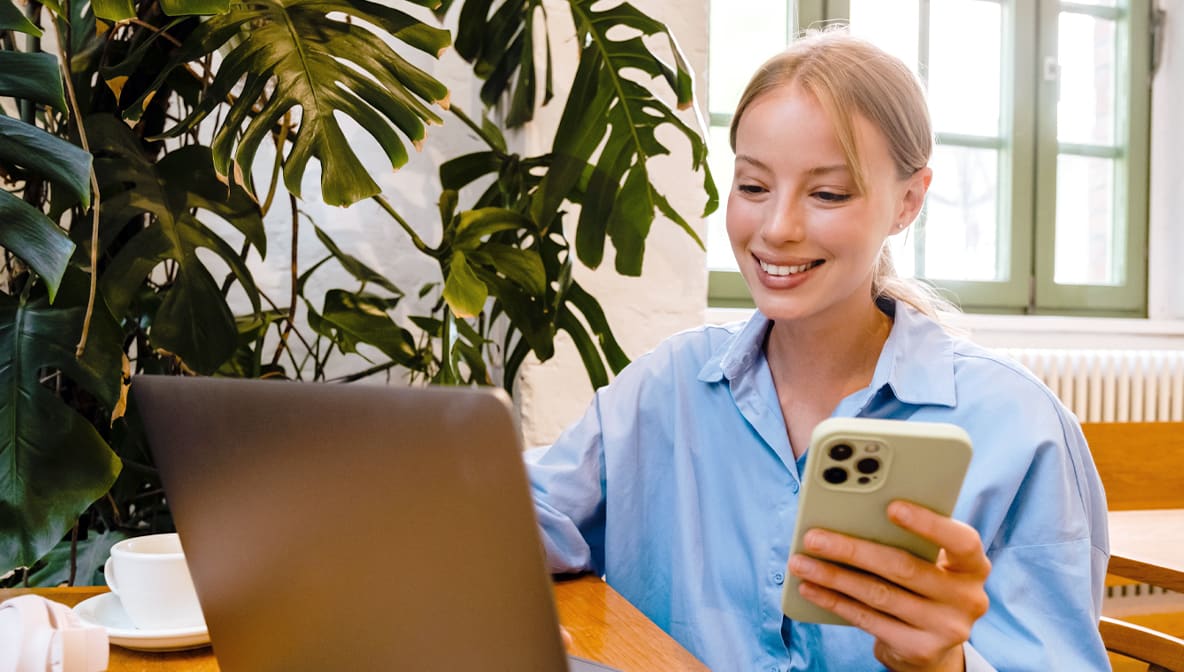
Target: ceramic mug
{"x": 152, "y": 581}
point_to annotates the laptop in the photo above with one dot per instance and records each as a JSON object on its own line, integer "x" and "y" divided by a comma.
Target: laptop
{"x": 355, "y": 527}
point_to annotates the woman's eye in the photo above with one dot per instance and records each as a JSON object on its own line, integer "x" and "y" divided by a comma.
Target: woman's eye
{"x": 750, "y": 189}
{"x": 831, "y": 196}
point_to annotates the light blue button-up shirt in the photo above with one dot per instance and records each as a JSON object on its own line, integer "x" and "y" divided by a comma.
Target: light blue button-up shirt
{"x": 680, "y": 487}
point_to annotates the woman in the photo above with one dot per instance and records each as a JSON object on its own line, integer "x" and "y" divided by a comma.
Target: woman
{"x": 680, "y": 483}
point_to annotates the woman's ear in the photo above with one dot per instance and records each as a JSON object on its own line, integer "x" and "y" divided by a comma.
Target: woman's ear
{"x": 912, "y": 198}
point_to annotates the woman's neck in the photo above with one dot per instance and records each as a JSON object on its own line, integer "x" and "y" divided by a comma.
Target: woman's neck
{"x": 834, "y": 353}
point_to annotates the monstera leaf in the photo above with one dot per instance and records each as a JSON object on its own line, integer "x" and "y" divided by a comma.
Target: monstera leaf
{"x": 319, "y": 56}
{"x": 53, "y": 463}
{"x": 194, "y": 321}
{"x": 27, "y": 232}
{"x": 608, "y": 130}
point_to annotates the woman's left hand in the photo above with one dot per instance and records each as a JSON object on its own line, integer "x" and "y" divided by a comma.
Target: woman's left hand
{"x": 919, "y": 612}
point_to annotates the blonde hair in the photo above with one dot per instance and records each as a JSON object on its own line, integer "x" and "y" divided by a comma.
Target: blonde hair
{"x": 849, "y": 76}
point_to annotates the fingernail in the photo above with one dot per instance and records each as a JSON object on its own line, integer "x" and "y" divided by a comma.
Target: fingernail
{"x": 801, "y": 565}
{"x": 901, "y": 512}
{"x": 816, "y": 541}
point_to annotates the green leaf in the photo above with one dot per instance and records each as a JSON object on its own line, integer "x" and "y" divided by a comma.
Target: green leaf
{"x": 33, "y": 77}
{"x": 193, "y": 322}
{"x": 593, "y": 364}
{"x": 53, "y": 464}
{"x": 91, "y": 555}
{"x": 473, "y": 225}
{"x": 323, "y": 65}
{"x": 39, "y": 152}
{"x": 353, "y": 318}
{"x": 463, "y": 290}
{"x": 35, "y": 239}
{"x": 594, "y": 316}
{"x": 463, "y": 170}
{"x": 114, "y": 10}
{"x": 615, "y": 119}
{"x": 521, "y": 266}
{"x": 194, "y": 7}
{"x": 12, "y": 18}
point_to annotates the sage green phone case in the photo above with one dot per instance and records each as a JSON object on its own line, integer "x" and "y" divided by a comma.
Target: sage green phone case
{"x": 855, "y": 468}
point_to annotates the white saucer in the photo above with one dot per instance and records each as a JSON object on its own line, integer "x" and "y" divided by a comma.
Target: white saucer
{"x": 105, "y": 610}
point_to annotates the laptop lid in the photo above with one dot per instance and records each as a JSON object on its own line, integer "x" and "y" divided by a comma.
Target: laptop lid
{"x": 354, "y": 527}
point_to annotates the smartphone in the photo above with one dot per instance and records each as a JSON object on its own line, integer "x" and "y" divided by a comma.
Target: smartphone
{"x": 855, "y": 468}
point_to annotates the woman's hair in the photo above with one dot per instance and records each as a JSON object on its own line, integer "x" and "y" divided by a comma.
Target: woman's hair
{"x": 850, "y": 76}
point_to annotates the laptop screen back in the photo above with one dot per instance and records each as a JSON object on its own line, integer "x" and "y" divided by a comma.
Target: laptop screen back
{"x": 334, "y": 527}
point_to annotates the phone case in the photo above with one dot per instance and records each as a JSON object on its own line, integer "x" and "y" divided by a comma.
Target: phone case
{"x": 920, "y": 462}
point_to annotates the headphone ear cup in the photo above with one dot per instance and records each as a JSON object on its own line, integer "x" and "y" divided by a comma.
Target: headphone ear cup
{"x": 37, "y": 634}
{"x": 61, "y": 616}
{"x": 26, "y": 633}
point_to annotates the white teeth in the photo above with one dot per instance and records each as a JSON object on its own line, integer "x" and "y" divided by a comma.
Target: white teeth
{"x": 774, "y": 269}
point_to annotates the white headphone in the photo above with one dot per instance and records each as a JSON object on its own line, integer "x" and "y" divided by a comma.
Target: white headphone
{"x": 40, "y": 635}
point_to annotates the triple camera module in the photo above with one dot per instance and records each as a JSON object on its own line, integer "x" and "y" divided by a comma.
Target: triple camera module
{"x": 854, "y": 464}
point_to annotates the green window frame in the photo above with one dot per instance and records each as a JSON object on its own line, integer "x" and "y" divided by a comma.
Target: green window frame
{"x": 1029, "y": 152}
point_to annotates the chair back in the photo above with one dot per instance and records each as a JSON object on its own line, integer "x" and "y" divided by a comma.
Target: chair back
{"x": 1141, "y": 463}
{"x": 1161, "y": 652}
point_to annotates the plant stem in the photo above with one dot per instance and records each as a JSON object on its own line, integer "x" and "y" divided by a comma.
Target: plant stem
{"x": 455, "y": 109}
{"x": 73, "y": 555}
{"x": 279, "y": 160}
{"x": 415, "y": 239}
{"x": 63, "y": 63}
{"x": 158, "y": 31}
{"x": 279, "y": 349}
{"x": 379, "y": 368}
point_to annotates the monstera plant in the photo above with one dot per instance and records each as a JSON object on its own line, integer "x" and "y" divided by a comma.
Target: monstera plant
{"x": 131, "y": 199}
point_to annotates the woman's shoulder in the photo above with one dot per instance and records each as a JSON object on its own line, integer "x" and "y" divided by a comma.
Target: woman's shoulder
{"x": 995, "y": 382}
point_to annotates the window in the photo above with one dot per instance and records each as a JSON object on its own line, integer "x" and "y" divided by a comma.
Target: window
{"x": 1040, "y": 109}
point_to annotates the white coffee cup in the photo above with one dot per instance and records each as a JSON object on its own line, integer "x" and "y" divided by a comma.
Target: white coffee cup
{"x": 152, "y": 581}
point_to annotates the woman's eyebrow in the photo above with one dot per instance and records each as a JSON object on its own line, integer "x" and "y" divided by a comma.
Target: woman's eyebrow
{"x": 813, "y": 172}
{"x": 826, "y": 170}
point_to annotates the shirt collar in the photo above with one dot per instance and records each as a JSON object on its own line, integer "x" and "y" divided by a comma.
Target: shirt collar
{"x": 916, "y": 364}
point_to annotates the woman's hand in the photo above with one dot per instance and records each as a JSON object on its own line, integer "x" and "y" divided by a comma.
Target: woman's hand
{"x": 919, "y": 612}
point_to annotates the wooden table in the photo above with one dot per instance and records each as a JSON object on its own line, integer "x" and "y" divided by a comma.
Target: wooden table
{"x": 603, "y": 625}
{"x": 1148, "y": 546}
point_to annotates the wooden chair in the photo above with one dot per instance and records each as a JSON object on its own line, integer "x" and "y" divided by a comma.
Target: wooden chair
{"x": 1161, "y": 652}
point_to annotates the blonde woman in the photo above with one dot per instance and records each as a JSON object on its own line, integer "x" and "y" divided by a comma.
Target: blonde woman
{"x": 680, "y": 484}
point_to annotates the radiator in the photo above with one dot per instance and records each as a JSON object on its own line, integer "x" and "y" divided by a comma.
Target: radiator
{"x": 1111, "y": 385}
{"x": 1116, "y": 386}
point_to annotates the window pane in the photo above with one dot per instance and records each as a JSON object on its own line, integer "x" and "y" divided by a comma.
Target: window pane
{"x": 965, "y": 56}
{"x": 1086, "y": 52}
{"x": 1087, "y": 247}
{"x": 721, "y": 160}
{"x": 961, "y": 232}
{"x": 892, "y": 26}
{"x": 1098, "y": 3}
{"x": 742, "y": 36}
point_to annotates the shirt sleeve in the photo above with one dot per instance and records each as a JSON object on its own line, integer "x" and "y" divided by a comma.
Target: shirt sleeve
{"x": 1048, "y": 566}
{"x": 567, "y": 481}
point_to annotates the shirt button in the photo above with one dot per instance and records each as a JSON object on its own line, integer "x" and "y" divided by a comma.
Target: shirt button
{"x": 794, "y": 487}
{"x": 778, "y": 578}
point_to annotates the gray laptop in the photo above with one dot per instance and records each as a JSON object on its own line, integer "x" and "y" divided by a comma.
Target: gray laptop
{"x": 355, "y": 527}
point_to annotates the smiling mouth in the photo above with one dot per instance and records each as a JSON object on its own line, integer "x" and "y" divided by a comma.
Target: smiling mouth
{"x": 774, "y": 269}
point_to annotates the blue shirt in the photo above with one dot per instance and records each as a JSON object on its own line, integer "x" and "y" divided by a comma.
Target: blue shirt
{"x": 680, "y": 487}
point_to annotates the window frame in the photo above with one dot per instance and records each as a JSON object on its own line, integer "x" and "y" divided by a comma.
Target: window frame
{"x": 1029, "y": 147}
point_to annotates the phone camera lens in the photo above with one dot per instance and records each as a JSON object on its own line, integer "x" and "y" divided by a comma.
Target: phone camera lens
{"x": 868, "y": 465}
{"x": 840, "y": 452}
{"x": 835, "y": 475}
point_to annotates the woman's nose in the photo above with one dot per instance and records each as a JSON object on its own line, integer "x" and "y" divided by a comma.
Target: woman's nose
{"x": 785, "y": 223}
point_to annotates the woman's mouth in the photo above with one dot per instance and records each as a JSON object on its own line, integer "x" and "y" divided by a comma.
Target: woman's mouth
{"x": 779, "y": 270}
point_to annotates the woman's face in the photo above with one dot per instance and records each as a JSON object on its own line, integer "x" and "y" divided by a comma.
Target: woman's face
{"x": 805, "y": 240}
